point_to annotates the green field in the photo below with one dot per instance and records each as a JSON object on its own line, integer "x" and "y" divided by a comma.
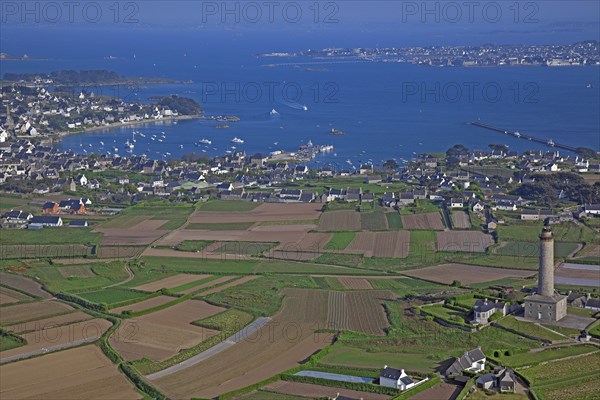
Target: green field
{"x": 528, "y": 328}
{"x": 227, "y": 205}
{"x": 571, "y": 379}
{"x": 394, "y": 221}
{"x": 112, "y": 295}
{"x": 8, "y": 342}
{"x": 226, "y": 226}
{"x": 104, "y": 274}
{"x": 175, "y": 215}
{"x": 340, "y": 240}
{"x": 216, "y": 266}
{"x": 406, "y": 286}
{"x": 191, "y": 285}
{"x": 523, "y": 359}
{"x": 193, "y": 245}
{"x": 62, "y": 235}
{"x": 251, "y": 249}
{"x": 373, "y": 221}
{"x": 338, "y": 205}
{"x": 260, "y": 297}
{"x": 529, "y": 231}
{"x": 532, "y": 249}
{"x": 446, "y": 314}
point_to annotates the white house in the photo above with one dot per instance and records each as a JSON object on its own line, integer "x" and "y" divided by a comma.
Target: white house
{"x": 41, "y": 221}
{"x": 82, "y": 180}
{"x": 473, "y": 361}
{"x": 456, "y": 203}
{"x": 395, "y": 379}
{"x": 593, "y": 209}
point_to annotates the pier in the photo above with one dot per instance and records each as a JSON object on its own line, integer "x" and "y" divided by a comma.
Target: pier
{"x": 517, "y": 134}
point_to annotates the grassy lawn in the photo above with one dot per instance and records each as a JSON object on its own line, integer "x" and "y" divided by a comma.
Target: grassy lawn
{"x": 112, "y": 295}
{"x": 394, "y": 221}
{"x": 193, "y": 245}
{"x": 340, "y": 240}
{"x": 226, "y": 226}
{"x": 447, "y": 314}
{"x": 529, "y": 328}
{"x": 523, "y": 359}
{"x": 227, "y": 205}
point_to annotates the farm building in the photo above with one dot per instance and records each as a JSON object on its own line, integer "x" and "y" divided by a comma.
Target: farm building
{"x": 593, "y": 209}
{"x": 395, "y": 378}
{"x": 535, "y": 215}
{"x": 484, "y": 309}
{"x": 78, "y": 223}
{"x": 44, "y": 221}
{"x": 473, "y": 361}
{"x": 593, "y": 304}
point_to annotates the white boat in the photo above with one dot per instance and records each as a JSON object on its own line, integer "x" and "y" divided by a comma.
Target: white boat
{"x": 305, "y": 107}
{"x": 274, "y": 112}
{"x": 205, "y": 141}
{"x": 101, "y": 143}
{"x": 181, "y": 146}
{"x": 237, "y": 140}
{"x": 160, "y": 140}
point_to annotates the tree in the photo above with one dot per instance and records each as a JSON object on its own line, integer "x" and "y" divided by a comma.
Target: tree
{"x": 391, "y": 165}
{"x": 456, "y": 283}
{"x": 586, "y": 152}
{"x": 457, "y": 150}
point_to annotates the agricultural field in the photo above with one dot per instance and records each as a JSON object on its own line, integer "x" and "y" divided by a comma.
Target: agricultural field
{"x": 441, "y": 390}
{"x": 355, "y": 283}
{"x": 150, "y": 216}
{"x": 78, "y": 373}
{"x": 171, "y": 282}
{"x": 9, "y": 296}
{"x": 193, "y": 245}
{"x": 52, "y": 236}
{"x": 41, "y": 250}
{"x": 251, "y": 361}
{"x": 18, "y": 313}
{"x": 359, "y": 311}
{"x": 224, "y": 226}
{"x": 63, "y": 319}
{"x": 427, "y": 221}
{"x": 529, "y": 231}
{"x": 381, "y": 244}
{"x": 230, "y": 205}
{"x": 536, "y": 357}
{"x": 568, "y": 379}
{"x": 532, "y": 249}
{"x": 144, "y": 304}
{"x": 466, "y": 274}
{"x": 162, "y": 334}
{"x": 23, "y": 284}
{"x": 52, "y": 335}
{"x": 466, "y": 241}
{"x": 394, "y": 221}
{"x": 373, "y": 221}
{"x": 340, "y": 240}
{"x": 249, "y": 249}
{"x": 230, "y": 283}
{"x": 221, "y": 212}
{"x": 317, "y": 391}
{"x": 461, "y": 220}
{"x": 112, "y": 295}
{"x": 340, "y": 221}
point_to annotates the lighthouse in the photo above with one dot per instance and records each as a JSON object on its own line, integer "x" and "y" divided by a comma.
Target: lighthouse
{"x": 546, "y": 304}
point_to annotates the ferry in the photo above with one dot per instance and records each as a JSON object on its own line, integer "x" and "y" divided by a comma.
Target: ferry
{"x": 237, "y": 140}
{"x": 205, "y": 141}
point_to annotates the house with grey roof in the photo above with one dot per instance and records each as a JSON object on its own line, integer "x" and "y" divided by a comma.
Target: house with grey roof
{"x": 473, "y": 361}
{"x": 484, "y": 309}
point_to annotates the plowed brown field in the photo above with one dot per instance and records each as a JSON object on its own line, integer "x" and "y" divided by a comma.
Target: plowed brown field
{"x": 79, "y": 373}
{"x": 262, "y": 213}
{"x": 430, "y": 221}
{"x": 162, "y": 334}
{"x": 355, "y": 283}
{"x": 381, "y": 244}
{"x": 25, "y": 284}
{"x": 10, "y": 315}
{"x": 461, "y": 220}
{"x": 360, "y": 311}
{"x": 340, "y": 221}
{"x": 466, "y": 274}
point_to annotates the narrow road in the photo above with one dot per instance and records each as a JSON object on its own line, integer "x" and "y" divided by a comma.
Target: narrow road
{"x": 129, "y": 277}
{"x": 216, "y": 349}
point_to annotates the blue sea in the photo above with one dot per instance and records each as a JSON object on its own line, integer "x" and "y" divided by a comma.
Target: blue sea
{"x": 387, "y": 110}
